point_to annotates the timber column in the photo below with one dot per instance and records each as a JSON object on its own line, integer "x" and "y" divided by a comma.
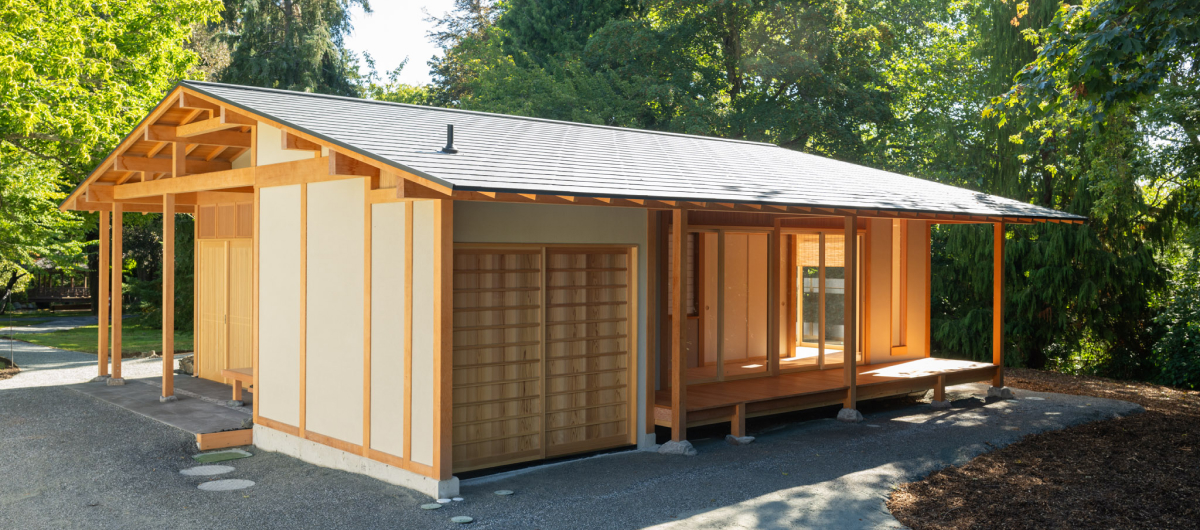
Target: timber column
{"x": 849, "y": 412}
{"x": 168, "y": 298}
{"x": 678, "y": 364}
{"x": 102, "y": 300}
{"x": 118, "y": 268}
{"x": 998, "y": 390}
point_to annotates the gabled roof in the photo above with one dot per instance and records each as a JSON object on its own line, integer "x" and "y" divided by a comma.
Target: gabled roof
{"x": 500, "y": 153}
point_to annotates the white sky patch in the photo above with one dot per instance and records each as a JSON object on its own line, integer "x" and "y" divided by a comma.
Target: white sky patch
{"x": 396, "y": 29}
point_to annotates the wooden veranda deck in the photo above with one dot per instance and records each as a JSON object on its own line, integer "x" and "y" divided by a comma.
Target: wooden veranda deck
{"x": 709, "y": 403}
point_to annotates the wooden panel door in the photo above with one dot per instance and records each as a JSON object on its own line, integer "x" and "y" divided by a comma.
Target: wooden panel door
{"x": 211, "y": 344}
{"x": 588, "y": 358}
{"x": 241, "y": 303}
{"x": 498, "y": 412}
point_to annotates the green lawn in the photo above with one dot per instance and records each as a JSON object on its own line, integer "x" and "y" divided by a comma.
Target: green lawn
{"x": 134, "y": 339}
{"x": 43, "y": 314}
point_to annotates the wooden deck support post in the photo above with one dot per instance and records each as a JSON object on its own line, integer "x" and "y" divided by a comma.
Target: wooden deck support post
{"x": 998, "y": 304}
{"x": 168, "y": 299}
{"x": 102, "y": 304}
{"x": 118, "y": 269}
{"x": 678, "y": 317}
{"x": 737, "y": 426}
{"x": 850, "y": 341}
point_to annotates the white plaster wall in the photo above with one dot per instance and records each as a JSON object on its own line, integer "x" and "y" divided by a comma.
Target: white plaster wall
{"x": 334, "y": 351}
{"x": 388, "y": 265}
{"x": 279, "y": 308}
{"x": 269, "y": 143}
{"x": 423, "y": 332}
{"x": 483, "y": 222}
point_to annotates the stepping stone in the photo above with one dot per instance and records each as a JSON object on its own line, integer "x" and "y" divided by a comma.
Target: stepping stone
{"x": 204, "y": 471}
{"x": 228, "y": 484}
{"x": 431, "y": 506}
{"x": 461, "y": 519}
{"x": 444, "y": 501}
{"x": 504, "y": 492}
{"x": 458, "y": 499}
{"x": 221, "y": 456}
{"x": 1035, "y": 398}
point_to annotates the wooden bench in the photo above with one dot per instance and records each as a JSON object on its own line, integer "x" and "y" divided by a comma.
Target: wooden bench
{"x": 239, "y": 376}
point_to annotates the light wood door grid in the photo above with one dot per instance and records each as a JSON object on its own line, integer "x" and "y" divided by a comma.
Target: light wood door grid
{"x": 541, "y": 353}
{"x": 225, "y": 293}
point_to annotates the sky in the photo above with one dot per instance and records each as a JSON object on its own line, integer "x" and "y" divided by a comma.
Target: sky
{"x": 394, "y": 30}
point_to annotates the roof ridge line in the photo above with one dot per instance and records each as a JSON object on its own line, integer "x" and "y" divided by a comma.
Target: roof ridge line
{"x": 478, "y": 113}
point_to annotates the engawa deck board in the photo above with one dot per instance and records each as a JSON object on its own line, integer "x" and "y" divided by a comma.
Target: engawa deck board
{"x": 714, "y": 395}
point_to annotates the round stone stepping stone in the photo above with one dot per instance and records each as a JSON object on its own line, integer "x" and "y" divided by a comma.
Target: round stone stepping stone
{"x": 458, "y": 499}
{"x": 204, "y": 471}
{"x": 444, "y": 501}
{"x": 228, "y": 484}
{"x": 461, "y": 519}
{"x": 1035, "y": 398}
{"x": 504, "y": 492}
{"x": 431, "y": 506}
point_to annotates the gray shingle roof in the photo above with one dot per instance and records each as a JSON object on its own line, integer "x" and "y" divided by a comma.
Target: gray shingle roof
{"x": 528, "y": 155}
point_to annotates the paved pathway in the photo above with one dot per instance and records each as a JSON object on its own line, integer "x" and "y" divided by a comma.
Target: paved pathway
{"x": 54, "y": 324}
{"x": 70, "y": 461}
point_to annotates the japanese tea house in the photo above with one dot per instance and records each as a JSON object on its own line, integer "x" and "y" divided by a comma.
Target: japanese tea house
{"x": 410, "y": 302}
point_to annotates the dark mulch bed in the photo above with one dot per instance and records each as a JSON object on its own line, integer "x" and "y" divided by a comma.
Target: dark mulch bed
{"x": 7, "y": 369}
{"x": 1141, "y": 471}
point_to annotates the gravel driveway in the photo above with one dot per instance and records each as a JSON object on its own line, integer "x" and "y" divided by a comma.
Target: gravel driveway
{"x": 70, "y": 461}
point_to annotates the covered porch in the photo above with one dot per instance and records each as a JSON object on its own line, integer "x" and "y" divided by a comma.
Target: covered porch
{"x": 735, "y": 401}
{"x": 756, "y": 314}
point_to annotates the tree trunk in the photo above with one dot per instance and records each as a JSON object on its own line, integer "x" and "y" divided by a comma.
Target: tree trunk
{"x": 8, "y": 289}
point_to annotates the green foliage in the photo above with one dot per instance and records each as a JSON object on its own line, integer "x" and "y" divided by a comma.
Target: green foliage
{"x": 1177, "y": 353}
{"x": 292, "y": 44}
{"x": 144, "y": 288}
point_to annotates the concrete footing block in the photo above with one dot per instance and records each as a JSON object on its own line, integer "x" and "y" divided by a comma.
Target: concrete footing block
{"x": 1000, "y": 393}
{"x": 940, "y": 404}
{"x": 849, "y": 415}
{"x": 101, "y": 378}
{"x": 113, "y": 381}
{"x": 167, "y": 399}
{"x": 738, "y": 440}
{"x": 648, "y": 442}
{"x": 677, "y": 448}
{"x": 235, "y": 403}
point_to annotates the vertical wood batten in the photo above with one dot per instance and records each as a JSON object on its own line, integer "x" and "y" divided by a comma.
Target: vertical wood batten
{"x": 102, "y": 302}
{"x": 775, "y": 298}
{"x": 118, "y": 266}
{"x": 368, "y": 211}
{"x": 303, "y": 328}
{"x": 998, "y": 304}
{"x": 678, "y": 365}
{"x": 443, "y": 337}
{"x": 168, "y": 296}
{"x": 850, "y": 340}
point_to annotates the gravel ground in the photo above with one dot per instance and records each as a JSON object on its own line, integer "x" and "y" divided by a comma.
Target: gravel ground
{"x": 70, "y": 461}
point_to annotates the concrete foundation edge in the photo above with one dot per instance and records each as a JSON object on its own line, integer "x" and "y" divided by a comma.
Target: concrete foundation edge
{"x": 269, "y": 439}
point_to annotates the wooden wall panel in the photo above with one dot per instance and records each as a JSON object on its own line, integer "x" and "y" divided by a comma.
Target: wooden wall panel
{"x": 279, "y": 284}
{"x": 497, "y": 358}
{"x": 918, "y": 301}
{"x": 241, "y": 303}
{"x": 389, "y": 403}
{"x": 334, "y": 286}
{"x": 879, "y": 277}
{"x": 588, "y": 360}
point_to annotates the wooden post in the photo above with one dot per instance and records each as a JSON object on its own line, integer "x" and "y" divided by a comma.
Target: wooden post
{"x": 168, "y": 297}
{"x": 775, "y": 309}
{"x": 118, "y": 266}
{"x": 102, "y": 299}
{"x": 998, "y": 304}
{"x": 678, "y": 364}
{"x": 652, "y": 301}
{"x": 443, "y": 337}
{"x": 850, "y": 341}
{"x": 821, "y": 301}
{"x": 737, "y": 426}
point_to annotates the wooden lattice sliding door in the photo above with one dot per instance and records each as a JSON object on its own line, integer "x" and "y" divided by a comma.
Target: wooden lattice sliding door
{"x": 542, "y": 362}
{"x": 587, "y": 350}
{"x": 497, "y": 357}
